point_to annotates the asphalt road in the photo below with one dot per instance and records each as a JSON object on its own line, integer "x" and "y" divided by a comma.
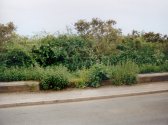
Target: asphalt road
{"x": 136, "y": 110}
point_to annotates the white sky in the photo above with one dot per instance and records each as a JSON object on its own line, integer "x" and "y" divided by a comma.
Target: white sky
{"x": 33, "y": 16}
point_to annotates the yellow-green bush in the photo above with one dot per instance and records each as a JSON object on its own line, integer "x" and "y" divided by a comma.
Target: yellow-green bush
{"x": 124, "y": 73}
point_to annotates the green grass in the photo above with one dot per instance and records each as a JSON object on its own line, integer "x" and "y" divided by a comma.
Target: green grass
{"x": 19, "y": 74}
{"x": 149, "y": 68}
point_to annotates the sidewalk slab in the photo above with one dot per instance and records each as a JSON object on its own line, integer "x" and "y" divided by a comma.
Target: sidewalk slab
{"x": 75, "y": 95}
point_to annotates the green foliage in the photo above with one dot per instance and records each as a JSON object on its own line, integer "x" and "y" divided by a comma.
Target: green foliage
{"x": 124, "y": 73}
{"x": 97, "y": 73}
{"x": 70, "y": 51}
{"x": 81, "y": 78}
{"x": 79, "y": 82}
{"x": 21, "y": 73}
{"x": 55, "y": 78}
{"x": 18, "y": 57}
{"x": 140, "y": 52}
{"x": 54, "y": 81}
{"x": 50, "y": 77}
{"x": 149, "y": 68}
{"x": 165, "y": 50}
{"x": 164, "y": 67}
{"x": 97, "y": 52}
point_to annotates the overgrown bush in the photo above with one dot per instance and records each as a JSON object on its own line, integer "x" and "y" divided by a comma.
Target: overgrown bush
{"x": 124, "y": 73}
{"x": 71, "y": 51}
{"x": 91, "y": 77}
{"x": 54, "y": 81}
{"x": 55, "y": 78}
{"x": 97, "y": 73}
{"x": 80, "y": 78}
{"x": 140, "y": 52}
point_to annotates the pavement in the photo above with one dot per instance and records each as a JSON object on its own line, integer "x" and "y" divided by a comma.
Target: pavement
{"x": 76, "y": 95}
{"x": 151, "y": 109}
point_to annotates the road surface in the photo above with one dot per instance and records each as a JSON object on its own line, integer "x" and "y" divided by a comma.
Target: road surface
{"x": 136, "y": 110}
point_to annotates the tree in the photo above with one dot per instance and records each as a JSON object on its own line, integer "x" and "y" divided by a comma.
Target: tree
{"x": 6, "y": 32}
{"x": 101, "y": 32}
{"x": 98, "y": 29}
{"x": 155, "y": 37}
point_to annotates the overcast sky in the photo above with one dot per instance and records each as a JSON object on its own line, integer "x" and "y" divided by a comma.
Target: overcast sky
{"x": 33, "y": 16}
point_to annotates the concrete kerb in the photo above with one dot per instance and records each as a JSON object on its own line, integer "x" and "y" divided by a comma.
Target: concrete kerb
{"x": 153, "y": 77}
{"x": 78, "y": 99}
{"x": 19, "y": 86}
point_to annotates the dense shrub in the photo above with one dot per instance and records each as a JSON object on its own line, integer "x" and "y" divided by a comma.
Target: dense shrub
{"x": 91, "y": 77}
{"x": 97, "y": 73}
{"x": 18, "y": 57}
{"x": 124, "y": 73}
{"x": 164, "y": 67}
{"x": 70, "y": 51}
{"x": 55, "y": 78}
{"x": 140, "y": 52}
{"x": 2, "y": 59}
{"x": 55, "y": 82}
